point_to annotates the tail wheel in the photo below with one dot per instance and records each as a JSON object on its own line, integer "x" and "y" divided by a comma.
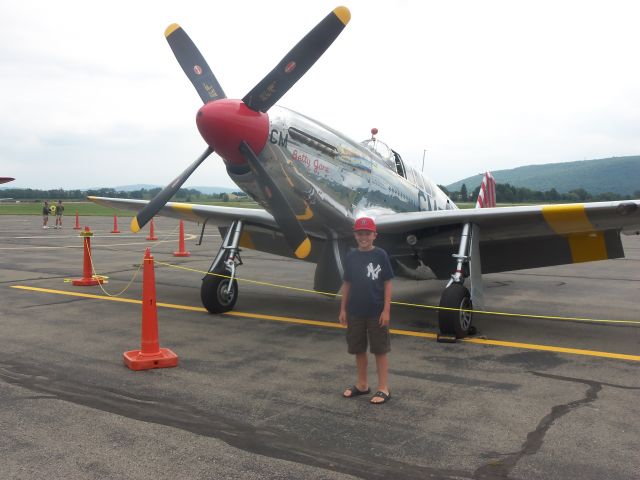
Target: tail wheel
{"x": 218, "y": 294}
{"x": 455, "y": 322}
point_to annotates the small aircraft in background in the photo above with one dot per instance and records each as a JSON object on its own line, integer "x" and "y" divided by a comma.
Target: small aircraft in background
{"x": 313, "y": 182}
{"x": 6, "y": 180}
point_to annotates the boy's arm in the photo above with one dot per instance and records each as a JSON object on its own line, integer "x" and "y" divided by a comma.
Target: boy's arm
{"x": 385, "y": 316}
{"x": 342, "y": 317}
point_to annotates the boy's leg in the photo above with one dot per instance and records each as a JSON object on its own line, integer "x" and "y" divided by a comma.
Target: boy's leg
{"x": 362, "y": 383}
{"x": 362, "y": 364}
{"x": 382, "y": 365}
{"x": 357, "y": 345}
{"x": 380, "y": 347}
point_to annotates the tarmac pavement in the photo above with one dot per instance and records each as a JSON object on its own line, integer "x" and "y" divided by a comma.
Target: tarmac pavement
{"x": 257, "y": 394}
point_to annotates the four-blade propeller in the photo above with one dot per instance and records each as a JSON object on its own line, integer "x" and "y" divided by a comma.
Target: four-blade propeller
{"x": 233, "y": 129}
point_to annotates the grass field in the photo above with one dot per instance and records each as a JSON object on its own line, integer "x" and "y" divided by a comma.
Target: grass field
{"x": 90, "y": 208}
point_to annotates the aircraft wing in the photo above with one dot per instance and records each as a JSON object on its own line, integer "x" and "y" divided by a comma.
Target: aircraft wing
{"x": 514, "y": 238}
{"x": 222, "y": 216}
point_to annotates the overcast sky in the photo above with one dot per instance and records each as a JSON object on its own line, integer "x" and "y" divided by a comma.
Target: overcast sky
{"x": 91, "y": 95}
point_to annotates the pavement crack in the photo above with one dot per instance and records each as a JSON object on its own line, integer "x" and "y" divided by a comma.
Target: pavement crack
{"x": 500, "y": 468}
{"x": 61, "y": 302}
{"x": 261, "y": 440}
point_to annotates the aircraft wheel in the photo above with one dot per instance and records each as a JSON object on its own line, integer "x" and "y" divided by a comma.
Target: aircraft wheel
{"x": 455, "y": 322}
{"x": 217, "y": 295}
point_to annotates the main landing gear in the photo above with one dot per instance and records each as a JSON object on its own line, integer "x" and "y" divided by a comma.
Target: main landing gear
{"x": 454, "y": 319}
{"x": 219, "y": 290}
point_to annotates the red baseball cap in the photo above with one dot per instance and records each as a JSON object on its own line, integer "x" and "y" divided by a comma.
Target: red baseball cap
{"x": 364, "y": 223}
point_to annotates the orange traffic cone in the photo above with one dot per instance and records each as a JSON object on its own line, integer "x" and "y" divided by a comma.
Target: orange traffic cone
{"x": 115, "y": 225}
{"x": 181, "y": 251}
{"x": 150, "y": 354}
{"x": 77, "y": 227}
{"x": 87, "y": 279}
{"x": 152, "y": 235}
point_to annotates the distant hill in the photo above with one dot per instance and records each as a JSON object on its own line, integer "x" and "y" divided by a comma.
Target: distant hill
{"x": 205, "y": 190}
{"x": 131, "y": 188}
{"x": 210, "y": 190}
{"x": 619, "y": 175}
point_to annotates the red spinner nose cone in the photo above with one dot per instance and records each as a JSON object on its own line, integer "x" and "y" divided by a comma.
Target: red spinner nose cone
{"x": 224, "y": 124}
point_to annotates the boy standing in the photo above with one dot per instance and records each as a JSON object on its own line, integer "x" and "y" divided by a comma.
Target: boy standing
{"x": 365, "y": 308}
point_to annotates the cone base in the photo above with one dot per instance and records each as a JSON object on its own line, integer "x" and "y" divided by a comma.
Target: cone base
{"x": 77, "y": 228}
{"x": 87, "y": 282}
{"x": 116, "y": 231}
{"x": 152, "y": 239}
{"x": 181, "y": 254}
{"x": 136, "y": 360}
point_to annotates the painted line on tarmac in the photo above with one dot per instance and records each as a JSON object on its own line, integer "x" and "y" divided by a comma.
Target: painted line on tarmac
{"x": 96, "y": 246}
{"x": 188, "y": 236}
{"x": 300, "y": 321}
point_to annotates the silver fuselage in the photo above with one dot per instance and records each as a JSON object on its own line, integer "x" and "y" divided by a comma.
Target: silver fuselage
{"x": 330, "y": 180}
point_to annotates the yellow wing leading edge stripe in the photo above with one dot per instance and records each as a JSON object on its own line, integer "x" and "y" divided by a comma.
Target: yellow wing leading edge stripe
{"x": 183, "y": 207}
{"x": 586, "y": 244}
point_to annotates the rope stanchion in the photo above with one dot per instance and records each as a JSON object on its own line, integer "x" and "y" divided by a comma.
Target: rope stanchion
{"x": 121, "y": 291}
{"x": 102, "y": 277}
{"x": 152, "y": 236}
{"x": 406, "y": 304}
{"x": 95, "y": 276}
{"x": 87, "y": 279}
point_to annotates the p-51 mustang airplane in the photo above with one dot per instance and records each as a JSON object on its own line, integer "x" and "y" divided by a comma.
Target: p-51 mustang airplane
{"x": 313, "y": 182}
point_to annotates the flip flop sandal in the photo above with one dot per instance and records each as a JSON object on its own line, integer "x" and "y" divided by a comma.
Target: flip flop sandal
{"x": 385, "y": 398}
{"x": 355, "y": 392}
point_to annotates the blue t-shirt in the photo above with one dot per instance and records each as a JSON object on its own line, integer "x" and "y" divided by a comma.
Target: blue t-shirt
{"x": 366, "y": 272}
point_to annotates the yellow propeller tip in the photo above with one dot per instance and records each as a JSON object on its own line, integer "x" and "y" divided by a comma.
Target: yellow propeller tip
{"x": 343, "y": 14}
{"x": 135, "y": 227}
{"x": 304, "y": 249}
{"x": 170, "y": 29}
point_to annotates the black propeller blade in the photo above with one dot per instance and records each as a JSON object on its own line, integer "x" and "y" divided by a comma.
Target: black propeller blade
{"x": 280, "y": 208}
{"x": 163, "y": 197}
{"x": 296, "y": 63}
{"x": 193, "y": 64}
{"x": 262, "y": 97}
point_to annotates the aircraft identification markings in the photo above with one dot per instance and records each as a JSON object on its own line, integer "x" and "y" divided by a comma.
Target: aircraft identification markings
{"x": 565, "y": 219}
{"x": 300, "y": 321}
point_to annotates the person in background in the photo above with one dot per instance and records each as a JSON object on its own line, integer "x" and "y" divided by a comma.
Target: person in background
{"x": 59, "y": 212}
{"x": 45, "y": 214}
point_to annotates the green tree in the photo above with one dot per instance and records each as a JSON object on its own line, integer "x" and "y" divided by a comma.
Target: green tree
{"x": 464, "y": 195}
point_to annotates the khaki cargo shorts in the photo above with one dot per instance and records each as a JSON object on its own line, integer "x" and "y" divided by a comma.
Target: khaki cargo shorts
{"x": 361, "y": 328}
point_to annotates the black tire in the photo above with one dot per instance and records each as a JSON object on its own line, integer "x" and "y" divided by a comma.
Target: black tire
{"x": 455, "y": 322}
{"x": 216, "y": 295}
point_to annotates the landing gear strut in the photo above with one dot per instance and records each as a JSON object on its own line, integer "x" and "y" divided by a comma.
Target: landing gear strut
{"x": 219, "y": 290}
{"x": 456, "y": 316}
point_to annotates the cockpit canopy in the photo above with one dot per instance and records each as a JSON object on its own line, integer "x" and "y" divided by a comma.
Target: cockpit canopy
{"x": 388, "y": 157}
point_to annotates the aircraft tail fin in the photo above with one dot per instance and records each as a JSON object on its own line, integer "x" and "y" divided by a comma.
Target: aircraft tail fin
{"x": 487, "y": 194}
